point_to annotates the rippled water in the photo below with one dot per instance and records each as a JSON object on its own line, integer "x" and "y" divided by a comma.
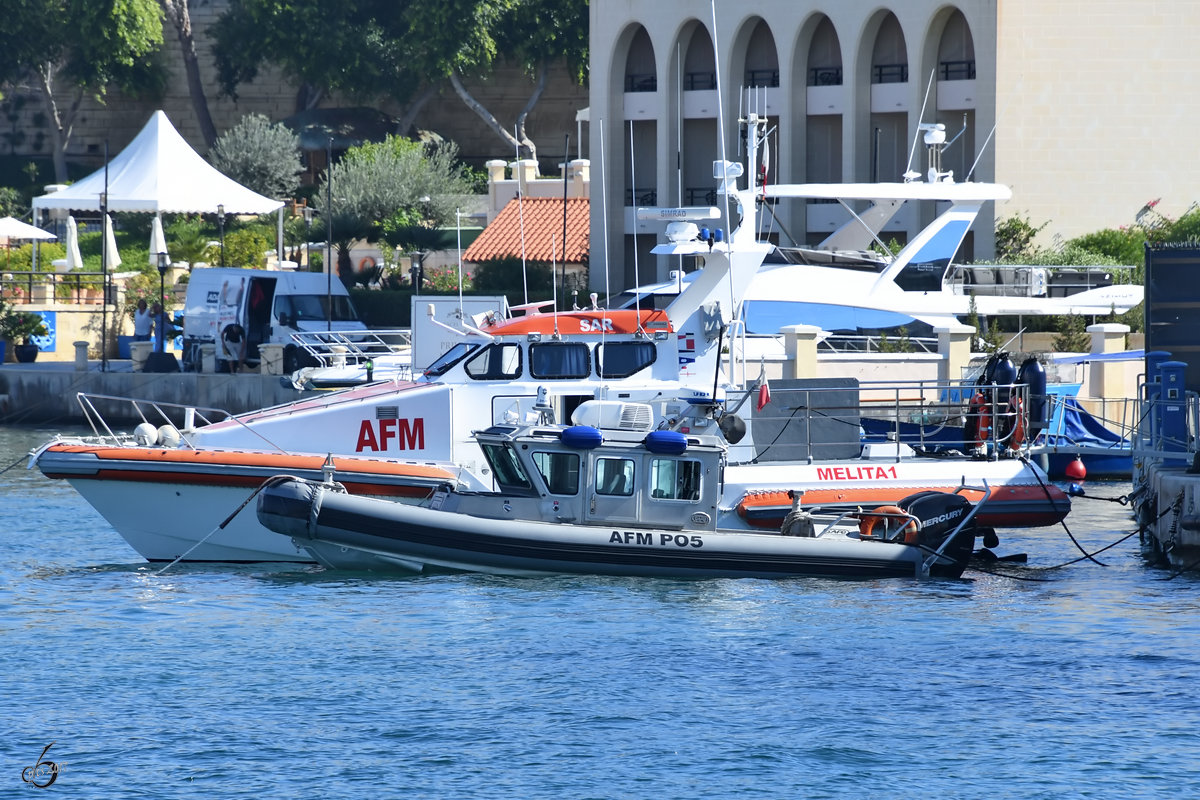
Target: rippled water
{"x": 286, "y": 681}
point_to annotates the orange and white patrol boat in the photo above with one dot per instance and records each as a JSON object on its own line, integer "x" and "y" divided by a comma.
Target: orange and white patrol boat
{"x": 175, "y": 487}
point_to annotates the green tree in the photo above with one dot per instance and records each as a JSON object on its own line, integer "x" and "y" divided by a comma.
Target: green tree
{"x": 404, "y": 52}
{"x": 260, "y": 155}
{"x": 391, "y": 189}
{"x": 68, "y": 49}
{"x": 1072, "y": 334}
{"x": 177, "y": 12}
{"x": 1015, "y": 238}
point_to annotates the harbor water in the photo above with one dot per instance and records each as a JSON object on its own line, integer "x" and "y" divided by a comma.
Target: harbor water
{"x": 289, "y": 681}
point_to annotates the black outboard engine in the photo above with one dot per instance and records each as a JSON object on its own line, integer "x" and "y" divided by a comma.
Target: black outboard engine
{"x": 940, "y": 513}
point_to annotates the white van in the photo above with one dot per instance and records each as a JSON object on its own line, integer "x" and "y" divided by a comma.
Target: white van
{"x": 270, "y": 305}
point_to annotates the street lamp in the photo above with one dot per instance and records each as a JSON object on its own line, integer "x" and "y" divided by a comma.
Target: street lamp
{"x": 162, "y": 306}
{"x": 221, "y": 225}
{"x": 308, "y": 215}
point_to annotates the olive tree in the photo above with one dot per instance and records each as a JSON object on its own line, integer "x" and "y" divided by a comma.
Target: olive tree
{"x": 260, "y": 155}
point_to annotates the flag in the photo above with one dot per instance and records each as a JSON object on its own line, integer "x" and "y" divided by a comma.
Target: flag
{"x": 764, "y": 395}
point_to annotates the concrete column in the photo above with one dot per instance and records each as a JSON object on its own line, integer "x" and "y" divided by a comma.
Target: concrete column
{"x": 526, "y": 173}
{"x": 81, "y": 356}
{"x": 800, "y": 346}
{"x": 579, "y": 177}
{"x": 1107, "y": 379}
{"x": 954, "y": 346}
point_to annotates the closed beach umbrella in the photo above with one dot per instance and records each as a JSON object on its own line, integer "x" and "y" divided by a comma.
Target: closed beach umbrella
{"x": 158, "y": 242}
{"x": 111, "y": 254}
{"x": 74, "y": 260}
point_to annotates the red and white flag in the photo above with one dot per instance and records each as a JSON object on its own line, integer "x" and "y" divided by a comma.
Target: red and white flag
{"x": 764, "y": 395}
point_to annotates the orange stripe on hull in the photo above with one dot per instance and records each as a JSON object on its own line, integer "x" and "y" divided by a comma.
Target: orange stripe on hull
{"x": 1009, "y": 506}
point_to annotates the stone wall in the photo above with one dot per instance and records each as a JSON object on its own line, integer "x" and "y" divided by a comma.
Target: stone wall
{"x": 120, "y": 118}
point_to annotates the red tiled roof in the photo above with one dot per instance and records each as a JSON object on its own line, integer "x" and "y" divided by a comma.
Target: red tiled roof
{"x": 542, "y": 219}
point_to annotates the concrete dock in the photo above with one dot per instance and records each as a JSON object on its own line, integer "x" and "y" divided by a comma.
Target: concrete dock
{"x": 45, "y": 393}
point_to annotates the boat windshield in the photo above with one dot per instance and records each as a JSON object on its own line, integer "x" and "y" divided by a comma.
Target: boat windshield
{"x": 506, "y": 468}
{"x": 449, "y": 358}
{"x": 622, "y": 359}
{"x": 559, "y": 360}
{"x": 560, "y": 471}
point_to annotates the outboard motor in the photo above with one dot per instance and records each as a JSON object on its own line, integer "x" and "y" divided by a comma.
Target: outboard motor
{"x": 940, "y": 513}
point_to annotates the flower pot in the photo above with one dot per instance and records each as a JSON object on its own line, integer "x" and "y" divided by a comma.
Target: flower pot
{"x": 25, "y": 353}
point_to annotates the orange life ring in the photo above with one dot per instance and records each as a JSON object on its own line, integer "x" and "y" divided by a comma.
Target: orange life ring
{"x": 886, "y": 515}
{"x": 366, "y": 263}
{"x": 1016, "y": 414}
{"x": 979, "y": 418}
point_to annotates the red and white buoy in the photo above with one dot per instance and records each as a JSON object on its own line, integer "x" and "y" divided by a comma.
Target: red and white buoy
{"x": 1076, "y": 471}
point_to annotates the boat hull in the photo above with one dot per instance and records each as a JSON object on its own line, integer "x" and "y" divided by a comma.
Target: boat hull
{"x": 170, "y": 504}
{"x": 440, "y": 540}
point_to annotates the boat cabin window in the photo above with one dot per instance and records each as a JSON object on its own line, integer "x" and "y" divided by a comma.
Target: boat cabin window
{"x": 614, "y": 476}
{"x": 559, "y": 360}
{"x": 506, "y": 468}
{"x": 671, "y": 479}
{"x": 622, "y": 359}
{"x": 496, "y": 362}
{"x": 449, "y": 358}
{"x": 560, "y": 471}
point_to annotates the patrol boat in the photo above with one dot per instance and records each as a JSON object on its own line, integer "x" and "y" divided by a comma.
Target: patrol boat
{"x": 580, "y": 499}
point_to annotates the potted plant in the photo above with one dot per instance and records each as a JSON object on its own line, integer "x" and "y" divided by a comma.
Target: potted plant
{"x": 19, "y": 327}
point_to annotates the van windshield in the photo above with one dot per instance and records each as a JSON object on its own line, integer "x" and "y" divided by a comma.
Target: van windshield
{"x": 313, "y": 307}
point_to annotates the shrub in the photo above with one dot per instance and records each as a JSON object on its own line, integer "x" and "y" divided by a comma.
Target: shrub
{"x": 245, "y": 248}
{"x": 506, "y": 274}
{"x": 260, "y": 155}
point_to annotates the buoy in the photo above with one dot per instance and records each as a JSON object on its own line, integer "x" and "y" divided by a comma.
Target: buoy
{"x": 1076, "y": 471}
{"x": 145, "y": 434}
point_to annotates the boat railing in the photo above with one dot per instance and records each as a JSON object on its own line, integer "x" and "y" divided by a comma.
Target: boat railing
{"x": 845, "y": 343}
{"x": 1120, "y": 416}
{"x": 185, "y": 419}
{"x": 890, "y": 420}
{"x": 343, "y": 348}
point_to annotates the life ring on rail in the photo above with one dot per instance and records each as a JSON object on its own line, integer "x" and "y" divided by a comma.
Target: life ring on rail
{"x": 367, "y": 263}
{"x": 1012, "y": 424}
{"x": 883, "y": 517}
{"x": 979, "y": 420}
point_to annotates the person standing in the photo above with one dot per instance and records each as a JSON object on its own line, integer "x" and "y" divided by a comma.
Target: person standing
{"x": 162, "y": 327}
{"x": 142, "y": 322}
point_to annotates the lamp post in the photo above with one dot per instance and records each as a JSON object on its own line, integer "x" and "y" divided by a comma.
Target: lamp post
{"x": 162, "y": 306}
{"x": 221, "y": 225}
{"x": 308, "y": 215}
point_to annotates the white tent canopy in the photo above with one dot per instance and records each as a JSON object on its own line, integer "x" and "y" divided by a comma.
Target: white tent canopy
{"x": 158, "y": 171}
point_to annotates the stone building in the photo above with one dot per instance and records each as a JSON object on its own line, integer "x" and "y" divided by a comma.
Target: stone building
{"x": 1080, "y": 107}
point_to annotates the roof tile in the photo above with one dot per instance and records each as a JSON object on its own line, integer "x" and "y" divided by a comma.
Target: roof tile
{"x": 541, "y": 218}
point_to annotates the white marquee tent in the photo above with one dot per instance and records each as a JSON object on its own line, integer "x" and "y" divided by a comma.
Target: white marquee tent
{"x": 159, "y": 172}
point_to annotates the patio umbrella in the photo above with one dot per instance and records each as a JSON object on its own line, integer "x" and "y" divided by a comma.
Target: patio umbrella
{"x": 73, "y": 259}
{"x": 158, "y": 242}
{"x": 12, "y": 228}
{"x": 111, "y": 254}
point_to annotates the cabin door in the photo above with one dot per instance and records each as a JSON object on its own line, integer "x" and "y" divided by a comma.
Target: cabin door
{"x": 611, "y": 489}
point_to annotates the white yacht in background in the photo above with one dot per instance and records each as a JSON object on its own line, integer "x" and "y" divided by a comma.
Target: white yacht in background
{"x": 850, "y": 283}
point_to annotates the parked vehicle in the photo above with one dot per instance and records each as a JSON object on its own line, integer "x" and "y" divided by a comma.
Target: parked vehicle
{"x": 270, "y": 305}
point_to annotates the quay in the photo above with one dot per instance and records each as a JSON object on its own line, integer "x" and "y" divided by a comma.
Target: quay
{"x": 46, "y": 392}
